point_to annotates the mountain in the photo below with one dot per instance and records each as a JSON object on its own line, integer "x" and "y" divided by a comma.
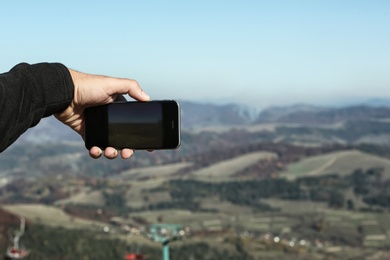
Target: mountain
{"x": 316, "y": 115}
{"x": 49, "y": 130}
{"x": 199, "y": 114}
{"x": 276, "y": 113}
{"x": 377, "y": 102}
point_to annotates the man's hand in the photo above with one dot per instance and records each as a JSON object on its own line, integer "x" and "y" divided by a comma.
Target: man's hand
{"x": 92, "y": 90}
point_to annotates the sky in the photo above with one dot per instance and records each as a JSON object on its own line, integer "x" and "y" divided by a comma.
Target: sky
{"x": 253, "y": 52}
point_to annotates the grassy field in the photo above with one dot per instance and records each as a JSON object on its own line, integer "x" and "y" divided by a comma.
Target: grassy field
{"x": 152, "y": 172}
{"x": 95, "y": 198}
{"x": 342, "y": 162}
{"x": 51, "y": 216}
{"x": 225, "y": 169}
{"x": 220, "y": 219}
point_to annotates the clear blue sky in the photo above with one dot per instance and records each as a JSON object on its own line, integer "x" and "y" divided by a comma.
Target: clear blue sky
{"x": 255, "y": 52}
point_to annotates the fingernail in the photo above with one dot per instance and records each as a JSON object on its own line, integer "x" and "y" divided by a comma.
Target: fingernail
{"x": 97, "y": 154}
{"x": 145, "y": 95}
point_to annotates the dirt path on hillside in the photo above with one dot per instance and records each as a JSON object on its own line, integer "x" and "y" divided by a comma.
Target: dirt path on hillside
{"x": 326, "y": 165}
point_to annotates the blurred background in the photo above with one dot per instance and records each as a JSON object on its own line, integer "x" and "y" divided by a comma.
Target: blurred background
{"x": 285, "y": 131}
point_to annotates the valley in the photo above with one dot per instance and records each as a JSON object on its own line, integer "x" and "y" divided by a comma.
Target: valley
{"x": 265, "y": 190}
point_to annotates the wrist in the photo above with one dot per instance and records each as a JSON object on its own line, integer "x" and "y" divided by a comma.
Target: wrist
{"x": 57, "y": 86}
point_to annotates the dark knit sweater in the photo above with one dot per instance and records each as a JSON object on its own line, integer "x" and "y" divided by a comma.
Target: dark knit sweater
{"x": 29, "y": 93}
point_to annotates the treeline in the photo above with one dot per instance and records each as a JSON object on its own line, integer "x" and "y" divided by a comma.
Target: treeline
{"x": 247, "y": 193}
{"x": 331, "y": 189}
{"x": 367, "y": 186}
{"x": 351, "y": 131}
{"x": 46, "y": 243}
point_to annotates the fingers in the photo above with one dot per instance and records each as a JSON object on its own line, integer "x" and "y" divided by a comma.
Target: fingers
{"x": 95, "y": 152}
{"x": 127, "y": 153}
{"x": 110, "y": 153}
{"x": 136, "y": 92}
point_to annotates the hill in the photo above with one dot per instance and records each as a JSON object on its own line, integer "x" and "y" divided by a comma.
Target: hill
{"x": 340, "y": 162}
{"x": 319, "y": 116}
{"x": 227, "y": 183}
{"x": 198, "y": 115}
{"x": 247, "y": 194}
{"x": 277, "y": 113}
{"x": 52, "y": 216}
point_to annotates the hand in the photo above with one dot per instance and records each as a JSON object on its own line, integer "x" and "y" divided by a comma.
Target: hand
{"x": 92, "y": 90}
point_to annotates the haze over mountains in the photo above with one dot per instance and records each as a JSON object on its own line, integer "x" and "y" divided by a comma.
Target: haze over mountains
{"x": 195, "y": 115}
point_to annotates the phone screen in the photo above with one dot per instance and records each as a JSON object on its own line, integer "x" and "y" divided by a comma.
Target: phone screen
{"x": 137, "y": 125}
{"x": 140, "y": 125}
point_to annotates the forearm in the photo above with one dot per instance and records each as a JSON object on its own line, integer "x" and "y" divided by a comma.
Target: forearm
{"x": 30, "y": 92}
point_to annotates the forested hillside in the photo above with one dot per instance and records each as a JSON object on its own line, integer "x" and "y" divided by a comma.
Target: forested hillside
{"x": 275, "y": 189}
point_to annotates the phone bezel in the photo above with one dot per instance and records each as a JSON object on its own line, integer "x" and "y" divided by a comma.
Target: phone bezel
{"x": 96, "y": 125}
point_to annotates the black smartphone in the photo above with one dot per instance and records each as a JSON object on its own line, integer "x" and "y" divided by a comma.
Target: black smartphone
{"x": 152, "y": 125}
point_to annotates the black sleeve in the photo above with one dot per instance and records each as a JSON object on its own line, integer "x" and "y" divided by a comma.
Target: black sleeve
{"x": 28, "y": 93}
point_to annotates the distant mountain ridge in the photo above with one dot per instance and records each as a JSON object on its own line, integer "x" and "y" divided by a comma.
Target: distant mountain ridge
{"x": 316, "y": 115}
{"x": 277, "y": 113}
{"x": 199, "y": 114}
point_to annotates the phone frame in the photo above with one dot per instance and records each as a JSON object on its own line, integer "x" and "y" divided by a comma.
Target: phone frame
{"x": 97, "y": 125}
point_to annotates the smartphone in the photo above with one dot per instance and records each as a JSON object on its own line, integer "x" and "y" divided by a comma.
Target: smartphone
{"x": 152, "y": 125}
